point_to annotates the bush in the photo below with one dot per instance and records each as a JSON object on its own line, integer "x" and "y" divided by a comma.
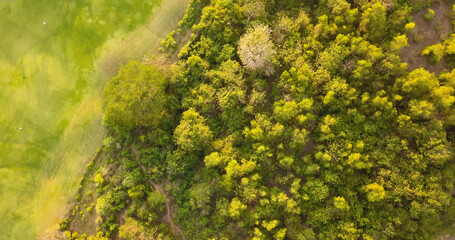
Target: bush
{"x": 429, "y": 15}
{"x": 169, "y": 45}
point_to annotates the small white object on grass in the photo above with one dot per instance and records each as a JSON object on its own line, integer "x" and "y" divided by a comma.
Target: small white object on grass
{"x": 20, "y": 128}
{"x": 44, "y": 23}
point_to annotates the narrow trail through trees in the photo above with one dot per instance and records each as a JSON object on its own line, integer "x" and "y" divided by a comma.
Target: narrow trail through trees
{"x": 159, "y": 187}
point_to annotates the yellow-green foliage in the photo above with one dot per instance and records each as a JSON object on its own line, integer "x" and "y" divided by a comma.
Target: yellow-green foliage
{"x": 192, "y": 133}
{"x": 132, "y": 230}
{"x": 322, "y": 133}
{"x": 399, "y": 42}
{"x": 98, "y": 179}
{"x": 269, "y": 225}
{"x": 429, "y": 15}
{"x": 102, "y": 205}
{"x": 340, "y": 203}
{"x": 135, "y": 97}
{"x": 410, "y": 26}
{"x": 375, "y": 192}
{"x": 169, "y": 44}
{"x": 374, "y": 22}
{"x": 236, "y": 208}
{"x": 450, "y": 45}
{"x": 435, "y": 51}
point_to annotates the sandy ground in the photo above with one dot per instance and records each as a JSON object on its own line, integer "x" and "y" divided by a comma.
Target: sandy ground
{"x": 428, "y": 33}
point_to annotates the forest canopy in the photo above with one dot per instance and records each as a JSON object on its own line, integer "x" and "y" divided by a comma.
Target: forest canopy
{"x": 290, "y": 120}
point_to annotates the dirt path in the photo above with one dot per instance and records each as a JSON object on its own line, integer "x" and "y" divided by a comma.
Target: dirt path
{"x": 428, "y": 33}
{"x": 159, "y": 187}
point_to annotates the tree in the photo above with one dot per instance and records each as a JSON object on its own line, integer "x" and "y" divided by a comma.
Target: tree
{"x": 134, "y": 98}
{"x": 169, "y": 45}
{"x": 332, "y": 57}
{"x": 192, "y": 133}
{"x": 418, "y": 83}
{"x": 436, "y": 52}
{"x": 203, "y": 98}
{"x": 450, "y": 45}
{"x": 132, "y": 229}
{"x": 421, "y": 109}
{"x": 374, "y": 22}
{"x": 399, "y": 42}
{"x": 102, "y": 205}
{"x": 254, "y": 9}
{"x": 340, "y": 203}
{"x": 156, "y": 202}
{"x": 444, "y": 96}
{"x": 375, "y": 192}
{"x": 196, "y": 67}
{"x": 200, "y": 197}
{"x": 236, "y": 207}
{"x": 256, "y": 50}
{"x": 269, "y": 225}
{"x": 285, "y": 111}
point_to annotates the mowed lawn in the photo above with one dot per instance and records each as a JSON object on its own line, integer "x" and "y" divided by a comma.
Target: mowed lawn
{"x": 51, "y": 85}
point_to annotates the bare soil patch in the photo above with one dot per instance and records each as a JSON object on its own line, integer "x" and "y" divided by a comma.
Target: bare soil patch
{"x": 428, "y": 33}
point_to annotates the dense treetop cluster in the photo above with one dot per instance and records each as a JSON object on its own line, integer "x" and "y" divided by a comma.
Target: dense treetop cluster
{"x": 289, "y": 119}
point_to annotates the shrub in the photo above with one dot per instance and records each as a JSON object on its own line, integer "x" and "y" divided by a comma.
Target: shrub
{"x": 429, "y": 15}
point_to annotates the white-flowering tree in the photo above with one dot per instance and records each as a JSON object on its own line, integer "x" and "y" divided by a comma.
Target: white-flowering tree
{"x": 256, "y": 50}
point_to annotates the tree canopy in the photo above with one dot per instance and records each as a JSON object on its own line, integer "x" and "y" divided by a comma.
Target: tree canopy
{"x": 256, "y": 50}
{"x": 134, "y": 98}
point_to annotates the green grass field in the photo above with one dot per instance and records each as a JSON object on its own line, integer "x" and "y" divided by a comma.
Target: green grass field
{"x": 50, "y": 56}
